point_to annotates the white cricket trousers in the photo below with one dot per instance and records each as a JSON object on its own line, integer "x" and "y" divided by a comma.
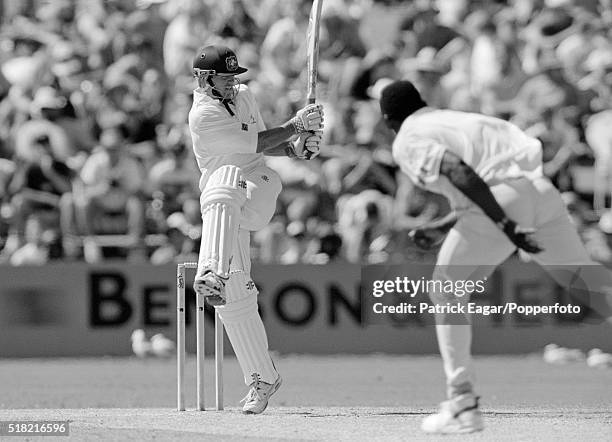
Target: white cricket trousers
{"x": 475, "y": 246}
{"x": 240, "y": 314}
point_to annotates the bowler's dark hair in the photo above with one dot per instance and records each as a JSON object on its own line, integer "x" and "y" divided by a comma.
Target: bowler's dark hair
{"x": 400, "y": 99}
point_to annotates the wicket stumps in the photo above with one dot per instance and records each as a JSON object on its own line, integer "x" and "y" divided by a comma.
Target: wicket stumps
{"x": 180, "y": 344}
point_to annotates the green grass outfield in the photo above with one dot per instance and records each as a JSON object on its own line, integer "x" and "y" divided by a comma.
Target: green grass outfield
{"x": 366, "y": 398}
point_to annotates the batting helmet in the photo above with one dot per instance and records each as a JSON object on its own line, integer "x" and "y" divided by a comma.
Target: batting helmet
{"x": 216, "y": 60}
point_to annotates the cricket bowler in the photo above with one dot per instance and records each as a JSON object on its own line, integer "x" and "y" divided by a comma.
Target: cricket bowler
{"x": 239, "y": 196}
{"x": 491, "y": 173}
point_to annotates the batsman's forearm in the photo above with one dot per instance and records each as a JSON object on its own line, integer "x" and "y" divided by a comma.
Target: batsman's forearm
{"x": 271, "y": 138}
{"x": 281, "y": 150}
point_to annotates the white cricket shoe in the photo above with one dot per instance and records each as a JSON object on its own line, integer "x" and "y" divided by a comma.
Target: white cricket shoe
{"x": 212, "y": 287}
{"x": 256, "y": 400}
{"x": 457, "y": 415}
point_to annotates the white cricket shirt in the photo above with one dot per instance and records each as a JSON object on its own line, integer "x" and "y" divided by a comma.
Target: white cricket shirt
{"x": 496, "y": 149}
{"x": 221, "y": 139}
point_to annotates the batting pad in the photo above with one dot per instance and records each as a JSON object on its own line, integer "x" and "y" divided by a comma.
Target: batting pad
{"x": 221, "y": 202}
{"x": 248, "y": 336}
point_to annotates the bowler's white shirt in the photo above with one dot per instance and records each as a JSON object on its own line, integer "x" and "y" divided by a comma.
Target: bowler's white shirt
{"x": 495, "y": 149}
{"x": 222, "y": 139}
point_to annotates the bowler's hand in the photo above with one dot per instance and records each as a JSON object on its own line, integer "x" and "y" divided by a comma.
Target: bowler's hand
{"x": 521, "y": 236}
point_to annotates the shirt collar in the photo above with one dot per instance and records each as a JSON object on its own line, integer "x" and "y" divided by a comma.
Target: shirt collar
{"x": 421, "y": 111}
{"x": 199, "y": 95}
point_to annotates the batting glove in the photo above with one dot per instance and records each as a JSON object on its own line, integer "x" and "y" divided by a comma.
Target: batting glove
{"x": 307, "y": 146}
{"x": 309, "y": 118}
{"x": 520, "y": 236}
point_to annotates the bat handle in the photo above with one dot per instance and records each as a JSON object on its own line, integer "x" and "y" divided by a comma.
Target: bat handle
{"x": 311, "y": 99}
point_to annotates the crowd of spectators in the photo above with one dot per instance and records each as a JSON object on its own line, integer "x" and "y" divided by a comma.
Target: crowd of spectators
{"x": 95, "y": 155}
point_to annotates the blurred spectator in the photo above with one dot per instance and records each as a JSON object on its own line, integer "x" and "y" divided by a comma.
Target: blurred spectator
{"x": 268, "y": 244}
{"x": 191, "y": 26}
{"x": 497, "y": 73}
{"x": 598, "y": 134}
{"x": 176, "y": 248}
{"x": 35, "y": 251}
{"x": 108, "y": 198}
{"x": 296, "y": 244}
{"x": 598, "y": 79}
{"x": 53, "y": 117}
{"x": 420, "y": 28}
{"x": 188, "y": 221}
{"x": 174, "y": 178}
{"x": 574, "y": 49}
{"x": 363, "y": 171}
{"x": 560, "y": 144}
{"x": 240, "y": 24}
{"x": 426, "y": 71}
{"x": 362, "y": 219}
{"x": 282, "y": 43}
{"x": 148, "y": 24}
{"x": 325, "y": 247}
{"x": 330, "y": 248}
{"x": 376, "y": 64}
{"x": 39, "y": 246}
{"x": 35, "y": 188}
{"x": 549, "y": 89}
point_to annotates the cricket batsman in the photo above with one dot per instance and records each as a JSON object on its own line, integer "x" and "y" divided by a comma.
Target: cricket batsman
{"x": 239, "y": 196}
{"x": 491, "y": 173}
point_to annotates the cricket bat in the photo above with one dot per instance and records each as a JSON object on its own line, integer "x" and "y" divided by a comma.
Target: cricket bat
{"x": 312, "y": 45}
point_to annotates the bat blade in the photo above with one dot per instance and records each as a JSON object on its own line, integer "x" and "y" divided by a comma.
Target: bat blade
{"x": 312, "y": 40}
